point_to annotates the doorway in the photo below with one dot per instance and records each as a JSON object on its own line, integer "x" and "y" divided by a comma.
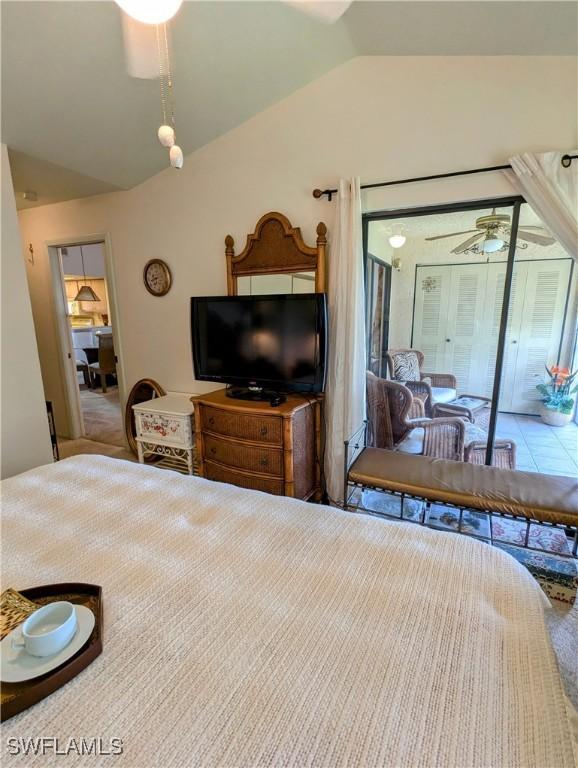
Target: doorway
{"x": 90, "y": 361}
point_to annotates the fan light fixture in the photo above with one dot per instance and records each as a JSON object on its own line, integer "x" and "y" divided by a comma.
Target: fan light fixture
{"x": 397, "y": 241}
{"x": 492, "y": 244}
{"x": 85, "y": 293}
{"x": 150, "y": 11}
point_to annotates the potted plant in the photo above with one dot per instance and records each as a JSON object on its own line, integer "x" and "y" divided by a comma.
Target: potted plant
{"x": 557, "y": 400}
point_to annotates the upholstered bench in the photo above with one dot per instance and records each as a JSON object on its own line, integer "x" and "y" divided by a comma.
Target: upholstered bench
{"x": 540, "y": 498}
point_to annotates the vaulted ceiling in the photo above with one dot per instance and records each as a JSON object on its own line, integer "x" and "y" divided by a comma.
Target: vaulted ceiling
{"x": 76, "y": 124}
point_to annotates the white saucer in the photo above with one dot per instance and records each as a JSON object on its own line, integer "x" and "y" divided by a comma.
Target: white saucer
{"x": 17, "y": 665}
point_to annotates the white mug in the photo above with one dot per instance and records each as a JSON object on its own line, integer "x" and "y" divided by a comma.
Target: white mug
{"x": 47, "y": 630}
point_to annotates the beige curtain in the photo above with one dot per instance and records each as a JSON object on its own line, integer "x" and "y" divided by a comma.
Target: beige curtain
{"x": 345, "y": 390}
{"x": 552, "y": 191}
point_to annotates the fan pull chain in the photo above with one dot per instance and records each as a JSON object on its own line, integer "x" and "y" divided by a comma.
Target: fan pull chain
{"x": 166, "y": 133}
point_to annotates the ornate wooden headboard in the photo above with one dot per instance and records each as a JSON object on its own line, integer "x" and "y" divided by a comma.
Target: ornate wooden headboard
{"x": 275, "y": 247}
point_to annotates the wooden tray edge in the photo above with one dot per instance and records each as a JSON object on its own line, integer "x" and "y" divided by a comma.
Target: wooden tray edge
{"x": 45, "y": 685}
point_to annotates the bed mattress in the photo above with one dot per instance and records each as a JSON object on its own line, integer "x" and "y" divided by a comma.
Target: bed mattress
{"x": 243, "y": 629}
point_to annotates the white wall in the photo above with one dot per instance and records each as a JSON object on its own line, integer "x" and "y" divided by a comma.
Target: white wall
{"x": 25, "y": 436}
{"x": 375, "y": 117}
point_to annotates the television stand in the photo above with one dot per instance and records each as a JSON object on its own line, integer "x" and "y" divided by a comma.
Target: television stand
{"x": 257, "y": 394}
{"x": 250, "y": 444}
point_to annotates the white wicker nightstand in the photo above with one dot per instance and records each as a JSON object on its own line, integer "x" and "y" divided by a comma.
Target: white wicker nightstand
{"x": 164, "y": 428}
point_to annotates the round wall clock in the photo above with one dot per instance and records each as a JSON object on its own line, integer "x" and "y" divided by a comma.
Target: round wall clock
{"x": 157, "y": 277}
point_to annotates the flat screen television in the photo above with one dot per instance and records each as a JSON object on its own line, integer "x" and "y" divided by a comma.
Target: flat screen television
{"x": 271, "y": 343}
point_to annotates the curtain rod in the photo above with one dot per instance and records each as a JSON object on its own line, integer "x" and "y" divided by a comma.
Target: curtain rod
{"x": 566, "y": 161}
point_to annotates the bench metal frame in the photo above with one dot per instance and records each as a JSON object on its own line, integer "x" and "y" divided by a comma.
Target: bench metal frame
{"x": 357, "y": 443}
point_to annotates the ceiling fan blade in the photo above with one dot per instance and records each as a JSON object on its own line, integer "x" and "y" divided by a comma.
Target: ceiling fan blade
{"x": 467, "y": 243}
{"x": 452, "y": 234}
{"x": 140, "y": 48}
{"x": 328, "y": 11}
{"x": 534, "y": 237}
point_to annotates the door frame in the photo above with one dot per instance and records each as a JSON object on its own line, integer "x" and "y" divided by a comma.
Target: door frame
{"x": 369, "y": 262}
{"x": 513, "y": 201}
{"x": 67, "y": 365}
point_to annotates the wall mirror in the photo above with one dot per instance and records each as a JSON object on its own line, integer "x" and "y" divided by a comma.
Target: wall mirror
{"x": 276, "y": 260}
{"x": 296, "y": 282}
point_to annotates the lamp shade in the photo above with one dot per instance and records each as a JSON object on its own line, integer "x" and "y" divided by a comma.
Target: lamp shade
{"x": 397, "y": 241}
{"x": 492, "y": 244}
{"x": 86, "y": 294}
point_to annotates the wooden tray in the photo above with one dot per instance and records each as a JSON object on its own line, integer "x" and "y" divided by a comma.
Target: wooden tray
{"x": 16, "y": 697}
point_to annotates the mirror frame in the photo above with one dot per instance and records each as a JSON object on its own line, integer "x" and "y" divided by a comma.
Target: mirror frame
{"x": 129, "y": 420}
{"x": 274, "y": 248}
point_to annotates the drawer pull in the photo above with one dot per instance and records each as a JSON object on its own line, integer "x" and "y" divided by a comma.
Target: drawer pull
{"x": 212, "y": 420}
{"x": 264, "y": 462}
{"x": 213, "y": 449}
{"x": 264, "y": 430}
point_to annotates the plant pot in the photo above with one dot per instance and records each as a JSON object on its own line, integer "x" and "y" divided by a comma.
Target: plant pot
{"x": 554, "y": 418}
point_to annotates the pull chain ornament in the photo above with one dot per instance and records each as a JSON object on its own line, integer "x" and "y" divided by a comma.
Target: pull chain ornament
{"x": 166, "y": 132}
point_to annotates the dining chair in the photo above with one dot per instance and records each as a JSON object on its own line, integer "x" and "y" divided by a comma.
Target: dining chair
{"x": 106, "y": 360}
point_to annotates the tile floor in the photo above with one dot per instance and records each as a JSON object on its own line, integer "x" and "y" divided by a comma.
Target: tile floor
{"x": 539, "y": 447}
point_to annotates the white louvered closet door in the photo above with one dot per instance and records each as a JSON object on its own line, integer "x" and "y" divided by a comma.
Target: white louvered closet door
{"x": 489, "y": 340}
{"x": 467, "y": 326}
{"x": 539, "y": 330}
{"x": 457, "y": 319}
{"x": 431, "y": 315}
{"x": 496, "y": 281}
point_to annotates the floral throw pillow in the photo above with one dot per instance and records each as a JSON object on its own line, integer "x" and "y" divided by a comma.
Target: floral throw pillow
{"x": 406, "y": 367}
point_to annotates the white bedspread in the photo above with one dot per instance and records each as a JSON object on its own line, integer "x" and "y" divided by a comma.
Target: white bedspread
{"x": 243, "y": 629}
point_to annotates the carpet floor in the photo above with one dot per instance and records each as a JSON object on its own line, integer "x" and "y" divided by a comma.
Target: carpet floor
{"x": 562, "y": 622}
{"x": 102, "y": 416}
{"x": 68, "y": 448}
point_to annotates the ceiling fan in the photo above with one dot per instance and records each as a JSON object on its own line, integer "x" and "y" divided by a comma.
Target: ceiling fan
{"x": 141, "y": 16}
{"x": 146, "y": 45}
{"x": 492, "y": 232}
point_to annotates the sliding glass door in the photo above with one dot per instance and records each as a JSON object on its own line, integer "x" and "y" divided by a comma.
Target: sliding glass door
{"x": 448, "y": 277}
{"x": 536, "y": 406}
{"x": 473, "y": 308}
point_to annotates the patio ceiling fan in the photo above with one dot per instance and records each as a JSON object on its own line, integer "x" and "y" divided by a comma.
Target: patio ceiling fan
{"x": 492, "y": 233}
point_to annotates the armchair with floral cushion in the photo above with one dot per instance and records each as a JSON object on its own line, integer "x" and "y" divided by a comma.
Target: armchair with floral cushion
{"x": 405, "y": 366}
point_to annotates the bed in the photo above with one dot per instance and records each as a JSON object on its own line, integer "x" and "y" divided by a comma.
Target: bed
{"x": 243, "y": 629}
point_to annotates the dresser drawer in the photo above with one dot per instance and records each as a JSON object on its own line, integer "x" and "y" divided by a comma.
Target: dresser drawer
{"x": 260, "y": 429}
{"x": 225, "y": 475}
{"x": 268, "y": 461}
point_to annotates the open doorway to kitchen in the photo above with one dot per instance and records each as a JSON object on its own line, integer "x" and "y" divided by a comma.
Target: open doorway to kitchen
{"x": 90, "y": 325}
{"x": 89, "y": 354}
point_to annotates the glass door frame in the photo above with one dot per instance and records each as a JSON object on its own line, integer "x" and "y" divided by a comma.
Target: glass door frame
{"x": 515, "y": 202}
{"x": 370, "y": 264}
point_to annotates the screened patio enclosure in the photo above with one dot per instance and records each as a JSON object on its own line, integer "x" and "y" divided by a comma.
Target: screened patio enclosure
{"x": 445, "y": 282}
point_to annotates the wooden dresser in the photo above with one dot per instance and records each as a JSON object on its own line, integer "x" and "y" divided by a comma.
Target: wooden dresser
{"x": 253, "y": 445}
